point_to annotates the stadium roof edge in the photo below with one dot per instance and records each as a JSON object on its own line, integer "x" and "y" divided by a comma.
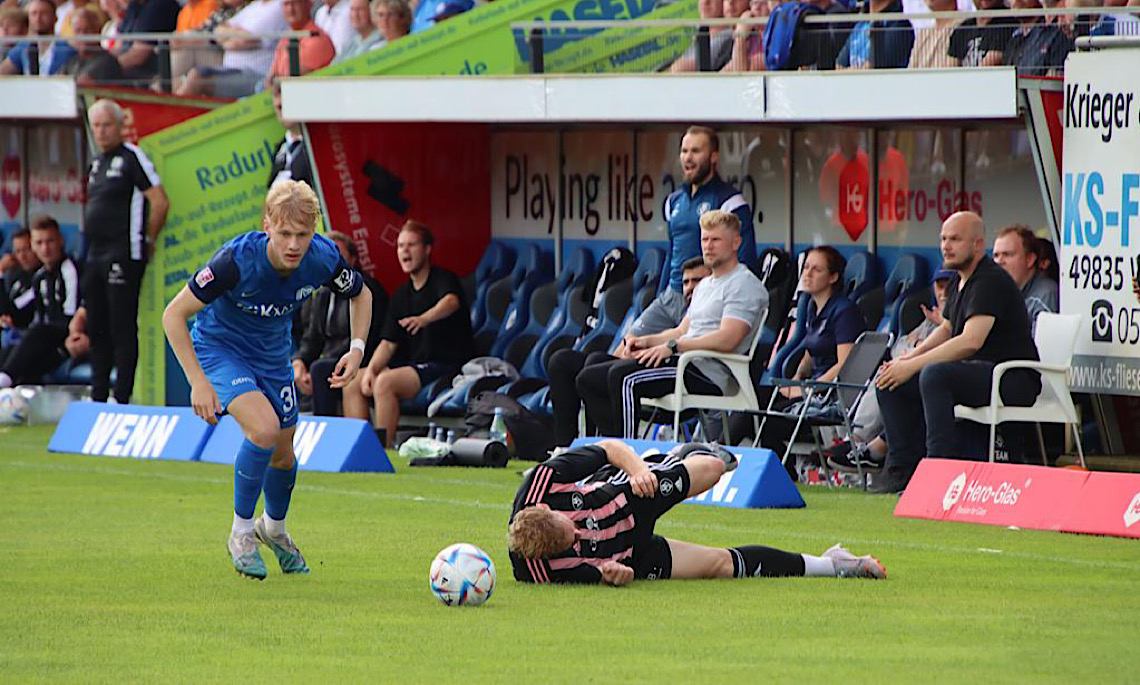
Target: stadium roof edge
{"x": 776, "y": 97}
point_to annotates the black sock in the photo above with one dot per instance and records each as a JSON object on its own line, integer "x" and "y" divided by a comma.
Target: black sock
{"x": 756, "y": 560}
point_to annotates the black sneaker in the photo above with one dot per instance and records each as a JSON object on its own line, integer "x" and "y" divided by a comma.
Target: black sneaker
{"x": 850, "y": 460}
{"x": 887, "y": 485}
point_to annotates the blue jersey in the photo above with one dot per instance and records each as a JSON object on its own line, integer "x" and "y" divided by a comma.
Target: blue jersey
{"x": 683, "y": 212}
{"x": 250, "y": 306}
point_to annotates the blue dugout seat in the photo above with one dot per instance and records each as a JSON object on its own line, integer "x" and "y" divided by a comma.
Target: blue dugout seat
{"x": 497, "y": 262}
{"x": 500, "y": 295}
{"x": 861, "y": 275}
{"x": 910, "y": 274}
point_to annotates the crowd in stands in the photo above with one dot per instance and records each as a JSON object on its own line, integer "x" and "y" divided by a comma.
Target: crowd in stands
{"x": 240, "y": 61}
{"x": 1036, "y": 45}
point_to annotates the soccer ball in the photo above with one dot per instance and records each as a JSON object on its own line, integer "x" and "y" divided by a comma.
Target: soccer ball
{"x": 13, "y": 407}
{"x": 462, "y": 575}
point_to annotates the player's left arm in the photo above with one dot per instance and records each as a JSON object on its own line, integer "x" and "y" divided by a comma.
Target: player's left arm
{"x": 348, "y": 281}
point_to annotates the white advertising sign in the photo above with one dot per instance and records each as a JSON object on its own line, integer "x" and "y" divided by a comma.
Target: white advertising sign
{"x": 1100, "y": 211}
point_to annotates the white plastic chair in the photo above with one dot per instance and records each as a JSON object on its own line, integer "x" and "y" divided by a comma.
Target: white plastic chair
{"x": 743, "y": 399}
{"x": 1056, "y": 337}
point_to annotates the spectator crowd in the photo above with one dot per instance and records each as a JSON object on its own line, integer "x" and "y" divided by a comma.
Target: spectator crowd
{"x": 231, "y": 49}
{"x": 1036, "y": 45}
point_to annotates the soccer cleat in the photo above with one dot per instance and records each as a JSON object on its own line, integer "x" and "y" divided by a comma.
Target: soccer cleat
{"x": 847, "y": 565}
{"x": 247, "y": 560}
{"x": 283, "y": 547}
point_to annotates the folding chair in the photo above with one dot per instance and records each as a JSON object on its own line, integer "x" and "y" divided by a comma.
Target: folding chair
{"x": 831, "y": 403}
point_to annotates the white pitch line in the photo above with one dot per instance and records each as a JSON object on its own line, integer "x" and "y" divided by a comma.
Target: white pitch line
{"x": 870, "y": 543}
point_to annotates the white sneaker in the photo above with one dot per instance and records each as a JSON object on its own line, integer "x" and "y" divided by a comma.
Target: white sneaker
{"x": 288, "y": 556}
{"x": 847, "y": 565}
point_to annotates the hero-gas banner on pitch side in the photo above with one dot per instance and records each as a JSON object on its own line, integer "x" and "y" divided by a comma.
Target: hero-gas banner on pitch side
{"x": 1100, "y": 212}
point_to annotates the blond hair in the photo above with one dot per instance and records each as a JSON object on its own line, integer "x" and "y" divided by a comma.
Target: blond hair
{"x": 719, "y": 217}
{"x": 293, "y": 203}
{"x": 535, "y": 533}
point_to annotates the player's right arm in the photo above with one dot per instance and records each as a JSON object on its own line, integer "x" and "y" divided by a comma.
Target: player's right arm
{"x": 202, "y": 395}
{"x": 220, "y": 275}
{"x": 641, "y": 479}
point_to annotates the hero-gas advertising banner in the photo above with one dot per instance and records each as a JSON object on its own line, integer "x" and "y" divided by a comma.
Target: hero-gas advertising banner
{"x": 1100, "y": 228}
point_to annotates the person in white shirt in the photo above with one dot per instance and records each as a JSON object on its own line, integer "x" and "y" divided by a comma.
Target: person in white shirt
{"x": 366, "y": 37}
{"x": 333, "y": 18}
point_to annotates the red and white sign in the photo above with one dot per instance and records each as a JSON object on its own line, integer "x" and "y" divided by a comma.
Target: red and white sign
{"x": 1024, "y": 496}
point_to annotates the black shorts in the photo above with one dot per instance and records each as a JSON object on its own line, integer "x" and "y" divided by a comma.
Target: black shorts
{"x": 429, "y": 371}
{"x": 652, "y": 559}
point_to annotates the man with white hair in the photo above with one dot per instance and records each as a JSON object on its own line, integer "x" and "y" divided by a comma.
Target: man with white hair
{"x": 126, "y": 209}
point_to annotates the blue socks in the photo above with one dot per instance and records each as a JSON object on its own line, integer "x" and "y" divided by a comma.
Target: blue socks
{"x": 249, "y": 474}
{"x": 278, "y": 490}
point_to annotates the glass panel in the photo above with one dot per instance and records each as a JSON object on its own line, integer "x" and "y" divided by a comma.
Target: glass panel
{"x": 831, "y": 191}
{"x": 56, "y": 170}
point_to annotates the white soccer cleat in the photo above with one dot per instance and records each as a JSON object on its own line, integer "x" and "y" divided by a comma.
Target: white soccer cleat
{"x": 847, "y": 565}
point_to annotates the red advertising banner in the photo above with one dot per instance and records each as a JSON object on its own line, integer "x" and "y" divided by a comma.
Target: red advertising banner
{"x": 144, "y": 114}
{"x": 1024, "y": 496}
{"x": 374, "y": 177}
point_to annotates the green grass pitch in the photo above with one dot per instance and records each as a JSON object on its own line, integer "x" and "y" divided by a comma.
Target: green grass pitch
{"x": 116, "y": 570}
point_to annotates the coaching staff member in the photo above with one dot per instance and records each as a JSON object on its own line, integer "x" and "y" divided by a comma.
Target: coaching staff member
{"x": 126, "y": 208}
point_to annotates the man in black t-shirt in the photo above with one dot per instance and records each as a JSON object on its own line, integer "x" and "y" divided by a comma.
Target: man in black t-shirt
{"x": 985, "y": 323}
{"x": 427, "y": 334}
{"x": 126, "y": 208}
{"x": 981, "y": 42}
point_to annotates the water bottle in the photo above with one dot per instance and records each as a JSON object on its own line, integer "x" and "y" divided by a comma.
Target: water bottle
{"x": 451, "y": 436}
{"x": 498, "y": 427}
{"x": 440, "y": 435}
{"x": 431, "y": 430}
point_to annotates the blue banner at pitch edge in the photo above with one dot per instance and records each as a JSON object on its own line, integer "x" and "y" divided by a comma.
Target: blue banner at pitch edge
{"x": 128, "y": 430}
{"x": 759, "y": 481}
{"x": 321, "y": 443}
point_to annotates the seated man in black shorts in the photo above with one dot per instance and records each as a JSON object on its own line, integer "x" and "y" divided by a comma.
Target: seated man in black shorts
{"x": 427, "y": 334}
{"x": 587, "y": 516}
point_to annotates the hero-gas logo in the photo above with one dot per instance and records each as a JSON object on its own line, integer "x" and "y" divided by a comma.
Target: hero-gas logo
{"x": 954, "y": 492}
{"x": 1132, "y": 513}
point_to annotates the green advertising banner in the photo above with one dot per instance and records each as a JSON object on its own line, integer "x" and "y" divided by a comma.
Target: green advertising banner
{"x": 215, "y": 167}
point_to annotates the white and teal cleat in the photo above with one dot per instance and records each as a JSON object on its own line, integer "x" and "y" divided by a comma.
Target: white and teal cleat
{"x": 246, "y": 557}
{"x": 283, "y": 547}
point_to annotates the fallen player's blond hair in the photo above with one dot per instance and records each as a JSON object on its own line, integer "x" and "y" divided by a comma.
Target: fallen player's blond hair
{"x": 534, "y": 533}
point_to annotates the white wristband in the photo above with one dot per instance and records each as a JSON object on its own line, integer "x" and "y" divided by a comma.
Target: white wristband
{"x": 356, "y": 344}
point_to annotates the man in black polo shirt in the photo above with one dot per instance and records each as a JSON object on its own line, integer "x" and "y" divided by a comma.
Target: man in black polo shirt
{"x": 56, "y": 288}
{"x": 985, "y": 323}
{"x": 427, "y": 334}
{"x": 126, "y": 208}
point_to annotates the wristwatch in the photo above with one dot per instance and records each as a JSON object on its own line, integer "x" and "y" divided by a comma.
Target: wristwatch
{"x": 672, "y": 344}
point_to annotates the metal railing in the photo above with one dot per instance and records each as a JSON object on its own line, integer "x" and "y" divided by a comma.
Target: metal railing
{"x": 162, "y": 46}
{"x": 545, "y": 40}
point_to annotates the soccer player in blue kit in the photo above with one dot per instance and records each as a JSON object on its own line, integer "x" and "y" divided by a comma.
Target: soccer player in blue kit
{"x": 237, "y": 357}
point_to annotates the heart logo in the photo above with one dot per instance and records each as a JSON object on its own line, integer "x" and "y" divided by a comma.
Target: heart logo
{"x": 853, "y": 199}
{"x": 10, "y": 184}
{"x": 954, "y": 492}
{"x": 1132, "y": 513}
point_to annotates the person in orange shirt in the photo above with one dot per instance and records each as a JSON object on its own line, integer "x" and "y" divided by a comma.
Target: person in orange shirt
{"x": 195, "y": 13}
{"x": 316, "y": 51}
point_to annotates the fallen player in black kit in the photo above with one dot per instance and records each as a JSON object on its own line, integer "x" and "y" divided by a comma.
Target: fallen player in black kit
{"x": 587, "y": 516}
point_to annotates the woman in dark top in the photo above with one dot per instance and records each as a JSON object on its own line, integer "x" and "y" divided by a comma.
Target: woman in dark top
{"x": 833, "y": 322}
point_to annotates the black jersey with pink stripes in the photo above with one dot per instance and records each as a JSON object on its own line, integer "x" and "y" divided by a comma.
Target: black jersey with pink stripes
{"x": 598, "y": 498}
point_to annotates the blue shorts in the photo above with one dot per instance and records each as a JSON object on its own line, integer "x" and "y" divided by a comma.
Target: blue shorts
{"x": 232, "y": 377}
